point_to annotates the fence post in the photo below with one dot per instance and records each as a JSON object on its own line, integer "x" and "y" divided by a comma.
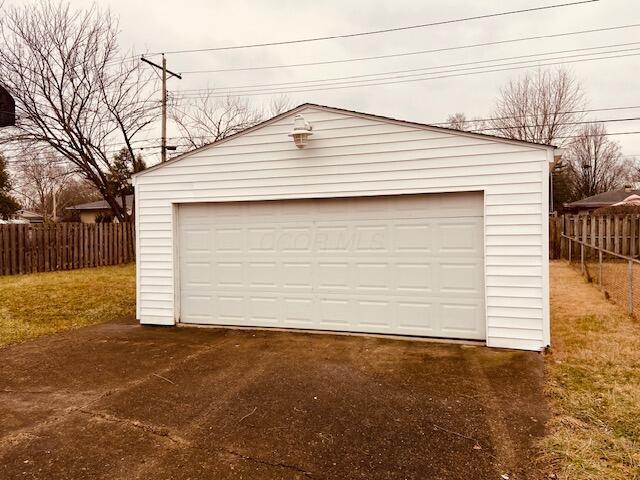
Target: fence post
{"x": 630, "y": 288}
{"x": 582, "y": 258}
{"x": 600, "y": 268}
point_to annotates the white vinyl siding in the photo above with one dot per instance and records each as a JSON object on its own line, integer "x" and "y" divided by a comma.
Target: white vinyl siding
{"x": 356, "y": 155}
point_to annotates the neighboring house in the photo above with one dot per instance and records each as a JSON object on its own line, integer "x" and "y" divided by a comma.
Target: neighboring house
{"x": 89, "y": 212}
{"x": 25, "y": 216}
{"x": 607, "y": 199}
{"x": 375, "y": 225}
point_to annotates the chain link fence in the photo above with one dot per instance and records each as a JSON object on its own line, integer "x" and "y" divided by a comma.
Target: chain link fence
{"x": 617, "y": 276}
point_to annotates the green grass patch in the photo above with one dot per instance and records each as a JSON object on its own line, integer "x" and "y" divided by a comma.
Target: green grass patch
{"x": 44, "y": 303}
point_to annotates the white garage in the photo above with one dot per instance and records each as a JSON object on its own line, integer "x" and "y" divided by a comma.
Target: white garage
{"x": 369, "y": 224}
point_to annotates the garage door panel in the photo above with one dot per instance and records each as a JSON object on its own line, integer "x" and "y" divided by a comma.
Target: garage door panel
{"x": 262, "y": 274}
{"x": 229, "y": 240}
{"x": 371, "y": 239}
{"x": 381, "y": 264}
{"x": 296, "y": 276}
{"x": 374, "y": 314}
{"x": 459, "y": 238}
{"x": 295, "y": 240}
{"x": 413, "y": 278}
{"x": 413, "y": 238}
{"x": 415, "y": 318}
{"x": 461, "y": 320}
{"x": 264, "y": 310}
{"x": 335, "y": 312}
{"x": 333, "y": 238}
{"x": 196, "y": 241}
{"x": 230, "y": 309}
{"x": 373, "y": 276}
{"x": 228, "y": 274}
{"x": 261, "y": 240}
{"x": 461, "y": 278}
{"x": 197, "y": 274}
{"x": 299, "y": 312}
{"x": 195, "y": 308}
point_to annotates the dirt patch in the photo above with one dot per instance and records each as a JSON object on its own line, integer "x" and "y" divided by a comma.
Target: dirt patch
{"x": 124, "y": 401}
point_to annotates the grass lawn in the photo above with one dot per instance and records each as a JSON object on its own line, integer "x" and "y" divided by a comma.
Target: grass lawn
{"x": 44, "y": 303}
{"x": 593, "y": 379}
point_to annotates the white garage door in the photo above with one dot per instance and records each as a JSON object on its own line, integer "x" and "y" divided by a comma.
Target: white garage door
{"x": 408, "y": 264}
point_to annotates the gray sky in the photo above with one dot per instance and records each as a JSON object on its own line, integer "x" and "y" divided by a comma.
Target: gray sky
{"x": 173, "y": 25}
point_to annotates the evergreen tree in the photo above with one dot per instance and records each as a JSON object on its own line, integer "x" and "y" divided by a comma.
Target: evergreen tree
{"x": 124, "y": 165}
{"x": 8, "y": 204}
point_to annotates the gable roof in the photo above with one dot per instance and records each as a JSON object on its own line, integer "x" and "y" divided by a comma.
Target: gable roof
{"x": 27, "y": 214}
{"x": 371, "y": 116}
{"x": 100, "y": 204}
{"x": 603, "y": 199}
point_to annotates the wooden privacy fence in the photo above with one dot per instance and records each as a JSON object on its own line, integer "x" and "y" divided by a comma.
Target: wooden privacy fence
{"x": 619, "y": 234}
{"x": 64, "y": 246}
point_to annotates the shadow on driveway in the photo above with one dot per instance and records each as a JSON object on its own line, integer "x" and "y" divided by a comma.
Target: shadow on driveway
{"x": 124, "y": 401}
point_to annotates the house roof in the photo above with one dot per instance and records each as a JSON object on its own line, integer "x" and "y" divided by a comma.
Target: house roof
{"x": 100, "y": 204}
{"x": 28, "y": 214}
{"x": 295, "y": 110}
{"x": 603, "y": 199}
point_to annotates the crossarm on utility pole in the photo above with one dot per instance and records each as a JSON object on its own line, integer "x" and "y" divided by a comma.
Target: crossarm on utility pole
{"x": 163, "y": 68}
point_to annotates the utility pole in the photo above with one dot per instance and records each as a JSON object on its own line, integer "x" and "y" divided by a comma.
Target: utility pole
{"x": 163, "y": 69}
{"x": 164, "y": 109}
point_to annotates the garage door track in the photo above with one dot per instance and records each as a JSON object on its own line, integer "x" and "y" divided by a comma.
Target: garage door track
{"x": 129, "y": 402}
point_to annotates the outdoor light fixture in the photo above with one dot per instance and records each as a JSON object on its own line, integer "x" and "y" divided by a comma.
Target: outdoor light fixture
{"x": 301, "y": 131}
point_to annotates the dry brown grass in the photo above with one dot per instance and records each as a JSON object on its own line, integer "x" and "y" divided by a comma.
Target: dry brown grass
{"x": 593, "y": 381}
{"x": 44, "y": 303}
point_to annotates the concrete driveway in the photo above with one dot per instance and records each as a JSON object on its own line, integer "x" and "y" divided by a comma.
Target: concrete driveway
{"x": 120, "y": 401}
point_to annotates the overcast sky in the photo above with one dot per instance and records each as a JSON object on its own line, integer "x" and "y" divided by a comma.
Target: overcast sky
{"x": 186, "y": 24}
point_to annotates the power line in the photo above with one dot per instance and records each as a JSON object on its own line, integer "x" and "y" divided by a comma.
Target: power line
{"x": 608, "y": 134}
{"x": 377, "y": 32}
{"x": 587, "y": 110}
{"x": 421, "y": 69}
{"x": 582, "y": 122}
{"x": 368, "y": 83}
{"x": 419, "y": 52}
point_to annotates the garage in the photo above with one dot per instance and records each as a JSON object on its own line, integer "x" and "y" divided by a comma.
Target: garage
{"x": 333, "y": 220}
{"x": 410, "y": 265}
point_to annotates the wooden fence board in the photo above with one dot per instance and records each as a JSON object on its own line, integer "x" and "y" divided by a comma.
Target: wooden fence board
{"x": 28, "y": 248}
{"x": 616, "y": 233}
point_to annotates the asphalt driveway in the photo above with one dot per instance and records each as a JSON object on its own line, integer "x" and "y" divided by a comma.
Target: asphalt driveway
{"x": 120, "y": 401}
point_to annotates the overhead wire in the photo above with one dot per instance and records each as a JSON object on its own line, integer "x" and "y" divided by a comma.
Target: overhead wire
{"x": 422, "y": 69}
{"x": 418, "y": 52}
{"x": 376, "y": 32}
{"x": 399, "y": 80}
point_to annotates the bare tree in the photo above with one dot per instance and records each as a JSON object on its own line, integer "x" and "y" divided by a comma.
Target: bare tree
{"x": 595, "y": 162}
{"x": 541, "y": 107}
{"x": 74, "y": 95}
{"x": 39, "y": 181}
{"x": 278, "y": 105}
{"x": 209, "y": 118}
{"x": 459, "y": 121}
